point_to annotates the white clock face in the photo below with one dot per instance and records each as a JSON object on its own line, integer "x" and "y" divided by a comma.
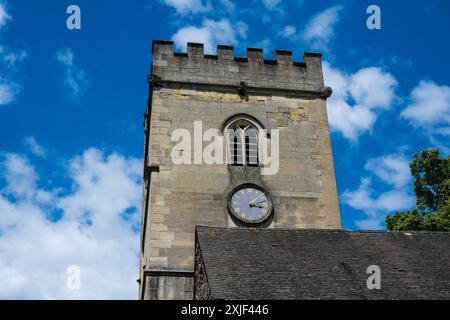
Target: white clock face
{"x": 251, "y": 204}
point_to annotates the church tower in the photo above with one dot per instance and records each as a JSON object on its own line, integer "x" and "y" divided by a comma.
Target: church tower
{"x": 246, "y": 101}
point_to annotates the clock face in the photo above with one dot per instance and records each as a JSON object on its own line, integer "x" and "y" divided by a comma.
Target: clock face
{"x": 250, "y": 204}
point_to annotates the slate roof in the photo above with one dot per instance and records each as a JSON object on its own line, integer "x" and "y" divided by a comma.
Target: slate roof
{"x": 254, "y": 263}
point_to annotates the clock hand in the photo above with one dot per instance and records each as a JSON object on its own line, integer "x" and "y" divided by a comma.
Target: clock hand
{"x": 257, "y": 204}
{"x": 261, "y": 201}
{"x": 256, "y": 198}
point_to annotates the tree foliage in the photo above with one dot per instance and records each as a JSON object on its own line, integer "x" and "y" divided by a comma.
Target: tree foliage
{"x": 431, "y": 174}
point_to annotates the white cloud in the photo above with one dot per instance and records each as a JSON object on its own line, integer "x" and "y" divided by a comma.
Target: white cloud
{"x": 10, "y": 61}
{"x": 184, "y": 7}
{"x": 270, "y": 4}
{"x": 265, "y": 44}
{"x": 8, "y": 91}
{"x": 19, "y": 175}
{"x": 13, "y": 59}
{"x": 363, "y": 199}
{"x": 393, "y": 171}
{"x": 194, "y": 34}
{"x": 210, "y": 34}
{"x": 75, "y": 79}
{"x": 395, "y": 59}
{"x": 241, "y": 29}
{"x": 320, "y": 29}
{"x": 376, "y": 208}
{"x": 4, "y": 15}
{"x": 228, "y": 4}
{"x": 288, "y": 31}
{"x": 352, "y": 108}
{"x": 429, "y": 107}
{"x": 372, "y": 87}
{"x": 65, "y": 57}
{"x": 34, "y": 147}
{"x": 97, "y": 229}
{"x": 351, "y": 121}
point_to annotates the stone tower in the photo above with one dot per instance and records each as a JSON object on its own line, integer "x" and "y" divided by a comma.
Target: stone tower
{"x": 220, "y": 92}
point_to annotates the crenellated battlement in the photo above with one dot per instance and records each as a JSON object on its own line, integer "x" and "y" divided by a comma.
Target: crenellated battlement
{"x": 224, "y": 68}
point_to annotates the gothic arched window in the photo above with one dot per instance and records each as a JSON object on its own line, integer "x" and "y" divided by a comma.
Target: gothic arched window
{"x": 242, "y": 139}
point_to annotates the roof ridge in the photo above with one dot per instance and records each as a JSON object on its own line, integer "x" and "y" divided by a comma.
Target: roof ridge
{"x": 320, "y": 230}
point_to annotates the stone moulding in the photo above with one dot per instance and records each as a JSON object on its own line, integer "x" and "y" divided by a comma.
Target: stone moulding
{"x": 169, "y": 273}
{"x": 238, "y": 88}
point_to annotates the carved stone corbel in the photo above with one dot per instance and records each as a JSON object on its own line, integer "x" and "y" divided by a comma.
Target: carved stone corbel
{"x": 154, "y": 81}
{"x": 242, "y": 89}
{"x": 326, "y": 92}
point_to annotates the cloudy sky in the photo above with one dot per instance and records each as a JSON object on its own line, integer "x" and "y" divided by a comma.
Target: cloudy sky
{"x": 72, "y": 103}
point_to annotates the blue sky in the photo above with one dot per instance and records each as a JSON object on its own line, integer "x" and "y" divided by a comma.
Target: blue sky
{"x": 72, "y": 103}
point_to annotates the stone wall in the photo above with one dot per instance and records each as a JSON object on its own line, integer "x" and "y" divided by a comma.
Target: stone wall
{"x": 168, "y": 286}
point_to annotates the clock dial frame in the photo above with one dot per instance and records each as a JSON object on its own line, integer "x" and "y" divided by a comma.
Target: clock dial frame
{"x": 250, "y": 204}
